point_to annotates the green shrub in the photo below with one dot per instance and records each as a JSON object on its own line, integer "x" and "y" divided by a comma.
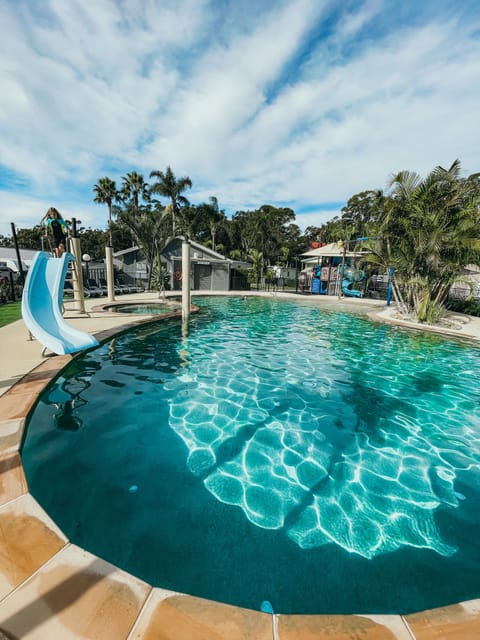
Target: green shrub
{"x": 469, "y": 306}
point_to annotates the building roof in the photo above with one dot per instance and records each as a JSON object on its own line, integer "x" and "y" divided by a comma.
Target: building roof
{"x": 195, "y": 246}
{"x": 333, "y": 250}
{"x": 200, "y": 247}
{"x": 9, "y": 253}
{"x": 125, "y": 251}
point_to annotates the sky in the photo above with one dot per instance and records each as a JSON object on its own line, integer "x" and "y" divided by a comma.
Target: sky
{"x": 298, "y": 103}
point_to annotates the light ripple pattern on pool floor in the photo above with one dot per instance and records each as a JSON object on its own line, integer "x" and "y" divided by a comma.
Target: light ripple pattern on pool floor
{"x": 322, "y": 437}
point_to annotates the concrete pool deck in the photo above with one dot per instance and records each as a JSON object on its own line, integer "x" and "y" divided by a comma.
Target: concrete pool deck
{"x": 51, "y": 589}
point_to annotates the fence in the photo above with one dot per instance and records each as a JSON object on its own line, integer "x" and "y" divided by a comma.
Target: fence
{"x": 11, "y": 288}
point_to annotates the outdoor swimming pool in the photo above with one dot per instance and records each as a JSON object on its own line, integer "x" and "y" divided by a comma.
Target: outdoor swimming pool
{"x": 280, "y": 452}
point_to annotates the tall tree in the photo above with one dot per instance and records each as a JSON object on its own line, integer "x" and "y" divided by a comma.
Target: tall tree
{"x": 30, "y": 238}
{"x": 171, "y": 187}
{"x": 93, "y": 242}
{"x": 263, "y": 229}
{"x": 6, "y": 241}
{"x": 211, "y": 217}
{"x": 430, "y": 229}
{"x": 148, "y": 228}
{"x": 361, "y": 214}
{"x": 133, "y": 188}
{"x": 258, "y": 264}
{"x": 293, "y": 244}
{"x": 106, "y": 193}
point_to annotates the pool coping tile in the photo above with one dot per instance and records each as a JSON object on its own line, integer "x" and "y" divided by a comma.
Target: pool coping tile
{"x": 17, "y": 401}
{"x": 11, "y": 433}
{"x": 29, "y": 539}
{"x": 13, "y": 483}
{"x": 453, "y": 622}
{"x": 173, "y": 616}
{"x": 342, "y": 627}
{"x": 74, "y": 595}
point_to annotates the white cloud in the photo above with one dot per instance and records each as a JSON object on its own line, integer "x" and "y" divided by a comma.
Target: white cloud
{"x": 27, "y": 211}
{"x": 260, "y": 107}
{"x": 315, "y": 218}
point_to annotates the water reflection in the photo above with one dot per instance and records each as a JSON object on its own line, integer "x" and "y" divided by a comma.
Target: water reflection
{"x": 67, "y": 399}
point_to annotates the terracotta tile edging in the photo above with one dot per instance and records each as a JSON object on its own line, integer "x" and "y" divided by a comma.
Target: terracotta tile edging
{"x": 17, "y": 402}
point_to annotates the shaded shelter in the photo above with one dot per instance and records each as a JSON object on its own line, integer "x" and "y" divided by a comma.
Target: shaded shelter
{"x": 325, "y": 261}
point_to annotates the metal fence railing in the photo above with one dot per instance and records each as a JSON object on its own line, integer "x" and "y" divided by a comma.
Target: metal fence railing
{"x": 11, "y": 288}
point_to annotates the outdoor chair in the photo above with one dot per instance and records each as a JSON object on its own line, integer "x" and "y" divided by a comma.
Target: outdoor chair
{"x": 90, "y": 287}
{"x": 104, "y": 286}
{"x": 123, "y": 288}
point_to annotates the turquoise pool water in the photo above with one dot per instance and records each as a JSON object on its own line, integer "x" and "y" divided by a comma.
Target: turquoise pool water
{"x": 145, "y": 308}
{"x": 280, "y": 452}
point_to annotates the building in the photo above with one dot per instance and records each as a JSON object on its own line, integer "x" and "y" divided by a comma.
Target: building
{"x": 209, "y": 270}
{"x": 8, "y": 255}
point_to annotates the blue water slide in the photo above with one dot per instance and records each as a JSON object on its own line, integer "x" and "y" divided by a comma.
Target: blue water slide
{"x": 349, "y": 277}
{"x": 42, "y": 306}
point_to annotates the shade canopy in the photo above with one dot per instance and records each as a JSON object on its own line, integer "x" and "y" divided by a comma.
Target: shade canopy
{"x": 333, "y": 250}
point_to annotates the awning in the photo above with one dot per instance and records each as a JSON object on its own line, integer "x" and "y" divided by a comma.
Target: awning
{"x": 333, "y": 250}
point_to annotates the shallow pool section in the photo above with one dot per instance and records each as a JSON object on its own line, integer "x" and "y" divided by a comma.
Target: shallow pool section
{"x": 279, "y": 452}
{"x": 148, "y": 308}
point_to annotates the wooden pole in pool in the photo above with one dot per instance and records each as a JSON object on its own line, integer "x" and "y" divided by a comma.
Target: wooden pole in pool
{"x": 109, "y": 265}
{"x": 185, "y": 280}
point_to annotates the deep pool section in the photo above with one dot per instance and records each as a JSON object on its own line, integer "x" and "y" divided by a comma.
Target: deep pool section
{"x": 278, "y": 452}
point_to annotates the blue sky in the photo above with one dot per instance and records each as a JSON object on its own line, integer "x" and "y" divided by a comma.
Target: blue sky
{"x": 298, "y": 103}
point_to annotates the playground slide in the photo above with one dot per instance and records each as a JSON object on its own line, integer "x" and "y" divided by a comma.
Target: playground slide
{"x": 350, "y": 292}
{"x": 349, "y": 277}
{"x": 42, "y": 306}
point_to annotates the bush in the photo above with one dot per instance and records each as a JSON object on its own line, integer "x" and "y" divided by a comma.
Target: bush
{"x": 469, "y": 306}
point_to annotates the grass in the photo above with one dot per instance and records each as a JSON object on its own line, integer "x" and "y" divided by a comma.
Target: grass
{"x": 10, "y": 313}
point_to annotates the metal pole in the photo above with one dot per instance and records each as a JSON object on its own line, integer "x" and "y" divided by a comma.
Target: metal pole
{"x": 389, "y": 290}
{"x": 185, "y": 280}
{"x": 17, "y": 250}
{"x": 340, "y": 293}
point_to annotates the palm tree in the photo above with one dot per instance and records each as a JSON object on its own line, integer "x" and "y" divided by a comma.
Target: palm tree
{"x": 149, "y": 230}
{"x": 106, "y": 193}
{"x": 258, "y": 264}
{"x": 169, "y": 186}
{"x": 210, "y": 217}
{"x": 215, "y": 216}
{"x": 134, "y": 187}
{"x": 431, "y": 229}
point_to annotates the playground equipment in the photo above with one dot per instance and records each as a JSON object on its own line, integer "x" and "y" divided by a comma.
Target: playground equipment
{"x": 350, "y": 276}
{"x": 318, "y": 285}
{"x": 42, "y": 306}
